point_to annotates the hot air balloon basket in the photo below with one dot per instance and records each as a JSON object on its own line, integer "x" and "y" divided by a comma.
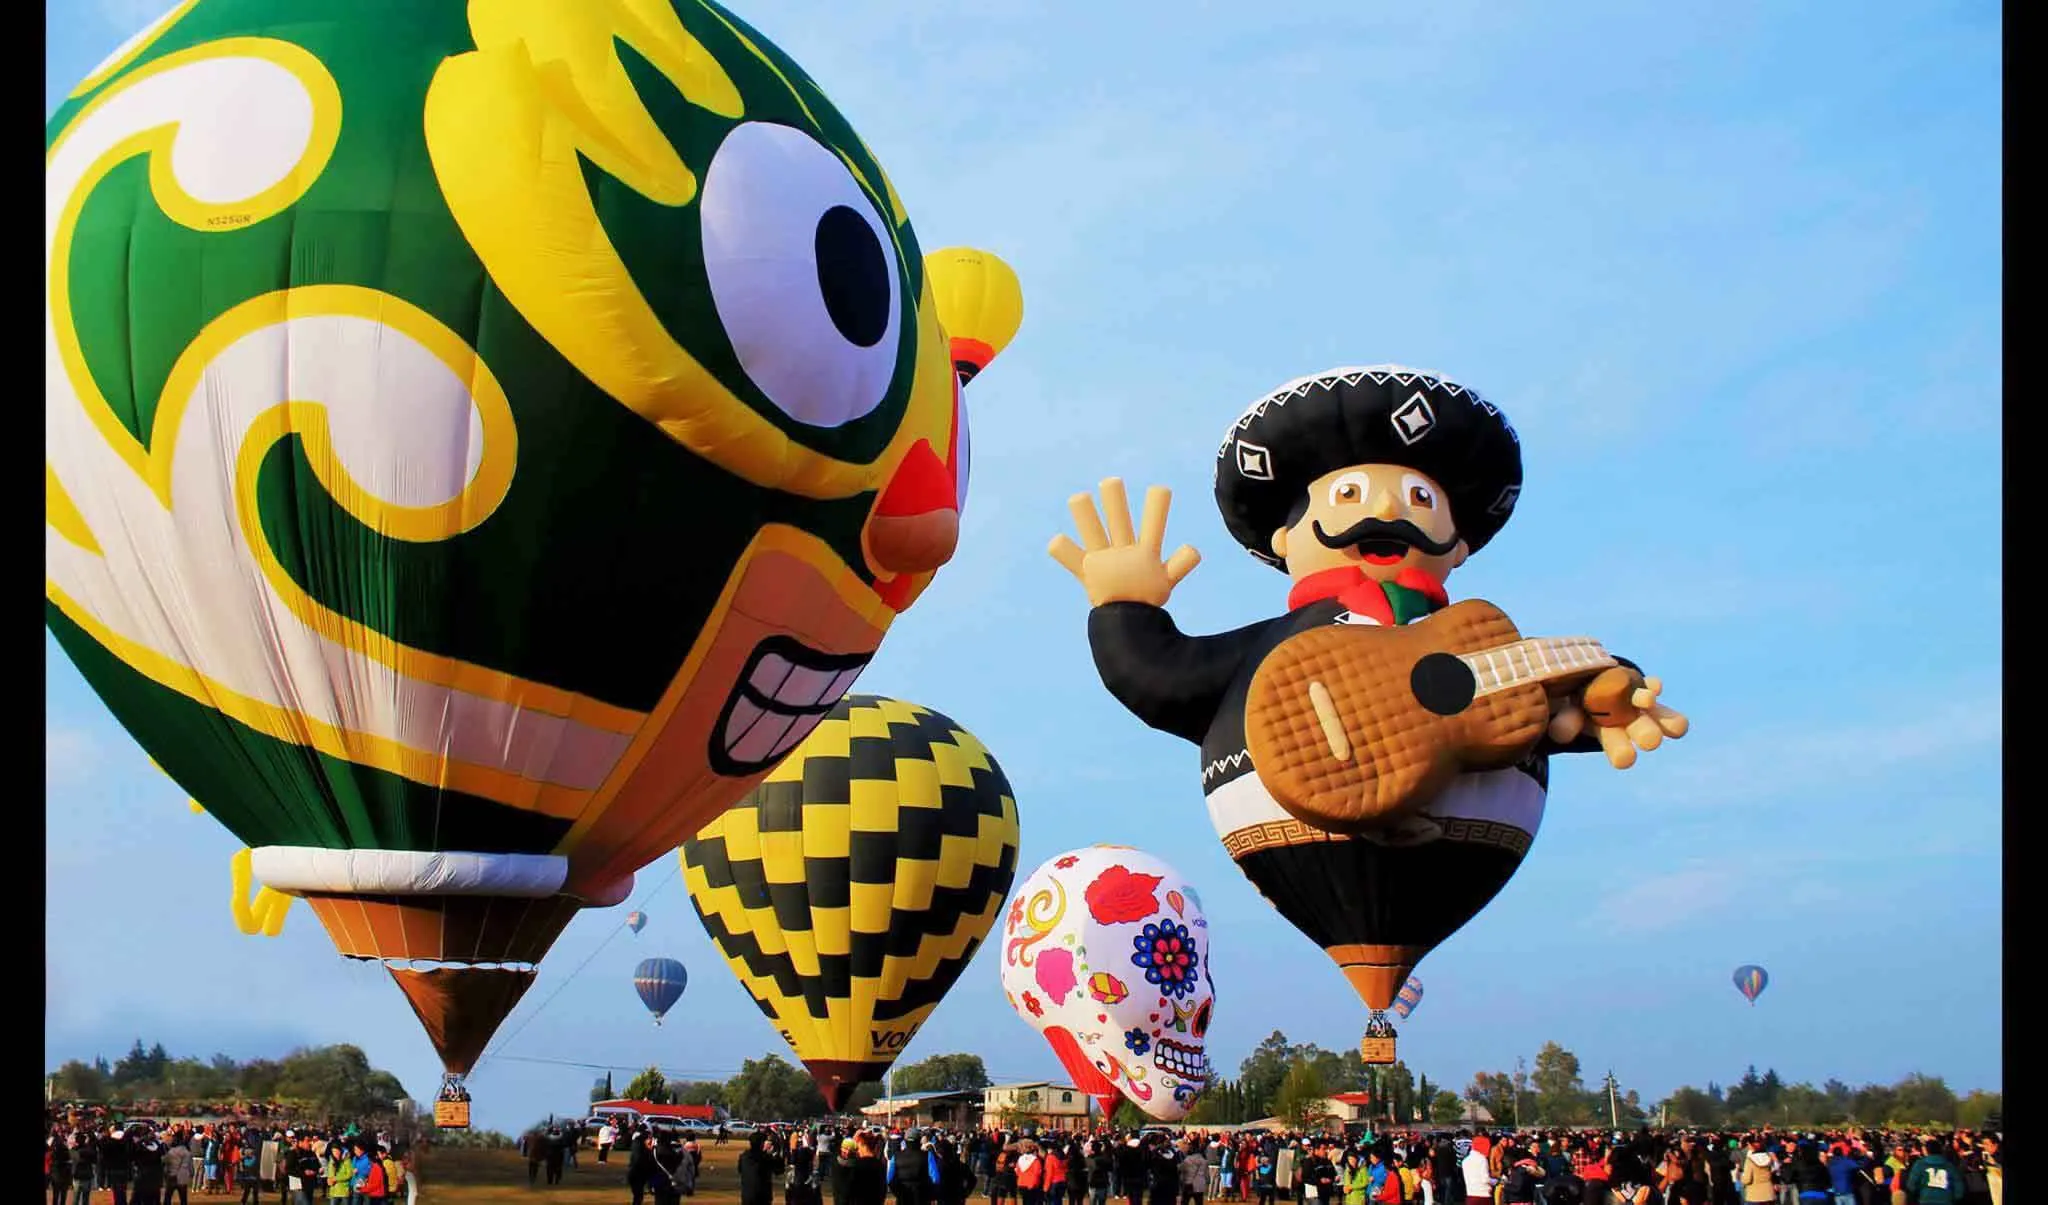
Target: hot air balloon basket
{"x": 1376, "y": 1051}
{"x": 451, "y": 1114}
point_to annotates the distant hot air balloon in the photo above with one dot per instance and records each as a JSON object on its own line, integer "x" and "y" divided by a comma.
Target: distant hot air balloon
{"x": 636, "y": 921}
{"x": 364, "y": 502}
{"x": 850, "y": 889}
{"x": 1106, "y": 953}
{"x": 660, "y": 982}
{"x": 1410, "y": 996}
{"x": 1751, "y": 981}
{"x": 980, "y": 305}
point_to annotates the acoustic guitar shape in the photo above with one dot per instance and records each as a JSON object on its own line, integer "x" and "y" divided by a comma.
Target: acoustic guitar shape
{"x": 1353, "y": 726}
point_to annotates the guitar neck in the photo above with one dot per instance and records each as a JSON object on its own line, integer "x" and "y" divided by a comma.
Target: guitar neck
{"x": 1536, "y": 659}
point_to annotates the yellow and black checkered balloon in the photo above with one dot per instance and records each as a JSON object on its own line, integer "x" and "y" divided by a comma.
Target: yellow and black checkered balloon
{"x": 853, "y": 886}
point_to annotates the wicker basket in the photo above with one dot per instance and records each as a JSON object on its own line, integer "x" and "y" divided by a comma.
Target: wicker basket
{"x": 1376, "y": 1051}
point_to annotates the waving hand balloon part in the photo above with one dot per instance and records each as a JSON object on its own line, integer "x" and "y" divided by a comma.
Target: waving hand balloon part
{"x": 364, "y": 506}
{"x": 850, "y": 890}
{"x": 1751, "y": 980}
{"x": 980, "y": 304}
{"x": 1106, "y": 953}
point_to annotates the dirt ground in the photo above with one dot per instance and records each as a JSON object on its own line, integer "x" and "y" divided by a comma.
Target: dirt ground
{"x": 459, "y": 1177}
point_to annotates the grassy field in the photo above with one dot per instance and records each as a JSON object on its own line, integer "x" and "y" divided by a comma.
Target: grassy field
{"x": 459, "y": 1177}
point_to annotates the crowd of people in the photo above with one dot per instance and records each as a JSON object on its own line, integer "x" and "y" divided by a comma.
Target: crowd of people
{"x": 137, "y": 1163}
{"x": 937, "y": 1167}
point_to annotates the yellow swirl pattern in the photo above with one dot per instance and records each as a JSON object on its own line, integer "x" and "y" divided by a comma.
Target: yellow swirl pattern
{"x": 152, "y": 463}
{"x": 1041, "y": 915}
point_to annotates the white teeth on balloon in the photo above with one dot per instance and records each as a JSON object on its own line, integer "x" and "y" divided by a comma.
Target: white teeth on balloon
{"x": 1191, "y": 1063}
{"x": 780, "y": 700}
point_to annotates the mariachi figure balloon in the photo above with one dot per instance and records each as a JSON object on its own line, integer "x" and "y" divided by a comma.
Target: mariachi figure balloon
{"x": 1378, "y": 783}
{"x": 483, "y": 438}
{"x": 1106, "y": 953}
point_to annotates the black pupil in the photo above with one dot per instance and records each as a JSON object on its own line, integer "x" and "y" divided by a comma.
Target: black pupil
{"x": 853, "y": 276}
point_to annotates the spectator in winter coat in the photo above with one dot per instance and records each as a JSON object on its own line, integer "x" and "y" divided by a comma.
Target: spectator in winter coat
{"x": 1194, "y": 1176}
{"x": 758, "y": 1170}
{"x": 1934, "y": 1179}
{"x": 178, "y": 1163}
{"x": 117, "y": 1164}
{"x": 1755, "y": 1178}
{"x": 148, "y": 1157}
{"x": 1478, "y": 1180}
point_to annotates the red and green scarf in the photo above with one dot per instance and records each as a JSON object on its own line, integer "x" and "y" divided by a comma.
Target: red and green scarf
{"x": 1410, "y": 596}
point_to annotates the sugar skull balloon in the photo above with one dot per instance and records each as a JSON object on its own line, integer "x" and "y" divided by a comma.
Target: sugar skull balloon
{"x": 1106, "y": 953}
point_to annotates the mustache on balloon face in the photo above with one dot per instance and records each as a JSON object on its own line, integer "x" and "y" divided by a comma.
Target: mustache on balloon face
{"x": 1386, "y": 537}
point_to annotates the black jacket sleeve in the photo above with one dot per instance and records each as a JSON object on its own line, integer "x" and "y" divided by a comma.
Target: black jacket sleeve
{"x": 1169, "y": 680}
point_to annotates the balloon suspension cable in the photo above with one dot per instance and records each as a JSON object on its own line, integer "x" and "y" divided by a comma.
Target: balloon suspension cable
{"x": 675, "y": 868}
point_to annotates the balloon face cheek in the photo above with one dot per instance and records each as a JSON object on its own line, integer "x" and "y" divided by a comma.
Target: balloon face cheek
{"x": 793, "y": 630}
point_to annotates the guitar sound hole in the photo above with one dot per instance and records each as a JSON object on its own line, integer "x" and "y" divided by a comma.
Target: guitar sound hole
{"x": 1443, "y": 684}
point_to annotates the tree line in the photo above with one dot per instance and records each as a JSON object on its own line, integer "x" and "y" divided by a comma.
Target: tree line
{"x": 1293, "y": 1082}
{"x": 770, "y": 1088}
{"x": 335, "y": 1080}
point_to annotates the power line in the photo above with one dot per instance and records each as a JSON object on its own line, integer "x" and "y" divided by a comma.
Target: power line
{"x": 674, "y": 869}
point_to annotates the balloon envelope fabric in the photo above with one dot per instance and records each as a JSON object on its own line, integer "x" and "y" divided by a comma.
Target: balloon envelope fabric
{"x": 1106, "y": 953}
{"x": 483, "y": 437}
{"x": 849, "y": 891}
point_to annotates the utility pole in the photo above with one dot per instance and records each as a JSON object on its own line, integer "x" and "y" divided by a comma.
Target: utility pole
{"x": 1613, "y": 1113}
{"x": 1517, "y": 1085}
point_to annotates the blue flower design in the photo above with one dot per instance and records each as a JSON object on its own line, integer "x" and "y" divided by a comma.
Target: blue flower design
{"x": 1166, "y": 952}
{"x": 1137, "y": 1041}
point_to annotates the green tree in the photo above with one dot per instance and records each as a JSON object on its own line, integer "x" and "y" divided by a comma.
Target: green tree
{"x": 1263, "y": 1071}
{"x": 697, "y": 1092}
{"x": 257, "y": 1079}
{"x": 650, "y": 1085}
{"x": 339, "y": 1080}
{"x": 1560, "y": 1095}
{"x": 81, "y": 1081}
{"x": 1493, "y": 1091}
{"x": 1974, "y": 1110}
{"x": 1803, "y": 1103}
{"x": 771, "y": 1089}
{"x": 1873, "y": 1105}
{"x": 1920, "y": 1099}
{"x": 943, "y": 1073}
{"x": 1691, "y": 1107}
{"x": 1445, "y": 1108}
{"x": 1222, "y": 1104}
{"x": 602, "y": 1089}
{"x": 140, "y": 1066}
{"x": 1128, "y": 1117}
{"x": 1303, "y": 1101}
{"x": 1396, "y": 1097}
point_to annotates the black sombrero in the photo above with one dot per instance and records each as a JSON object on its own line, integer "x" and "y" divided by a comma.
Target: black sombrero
{"x": 1382, "y": 414}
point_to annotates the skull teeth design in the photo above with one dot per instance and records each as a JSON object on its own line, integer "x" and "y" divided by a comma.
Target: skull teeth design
{"x": 1190, "y": 1063}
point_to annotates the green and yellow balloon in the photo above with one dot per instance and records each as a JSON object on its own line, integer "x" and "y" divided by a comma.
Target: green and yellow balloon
{"x": 483, "y": 438}
{"x": 850, "y": 890}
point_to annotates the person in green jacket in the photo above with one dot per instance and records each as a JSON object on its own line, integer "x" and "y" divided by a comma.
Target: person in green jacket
{"x": 1935, "y": 1179}
{"x": 1357, "y": 1179}
{"x": 341, "y": 1172}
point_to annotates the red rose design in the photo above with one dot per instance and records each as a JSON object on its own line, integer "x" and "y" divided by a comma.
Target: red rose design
{"x": 1066, "y": 863}
{"x": 1117, "y": 896}
{"x": 1031, "y": 1003}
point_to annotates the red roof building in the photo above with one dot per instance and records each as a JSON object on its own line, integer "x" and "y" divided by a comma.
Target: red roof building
{"x": 647, "y": 1108}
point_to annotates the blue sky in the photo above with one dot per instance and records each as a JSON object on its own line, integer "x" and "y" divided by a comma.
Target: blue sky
{"x": 1732, "y": 270}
